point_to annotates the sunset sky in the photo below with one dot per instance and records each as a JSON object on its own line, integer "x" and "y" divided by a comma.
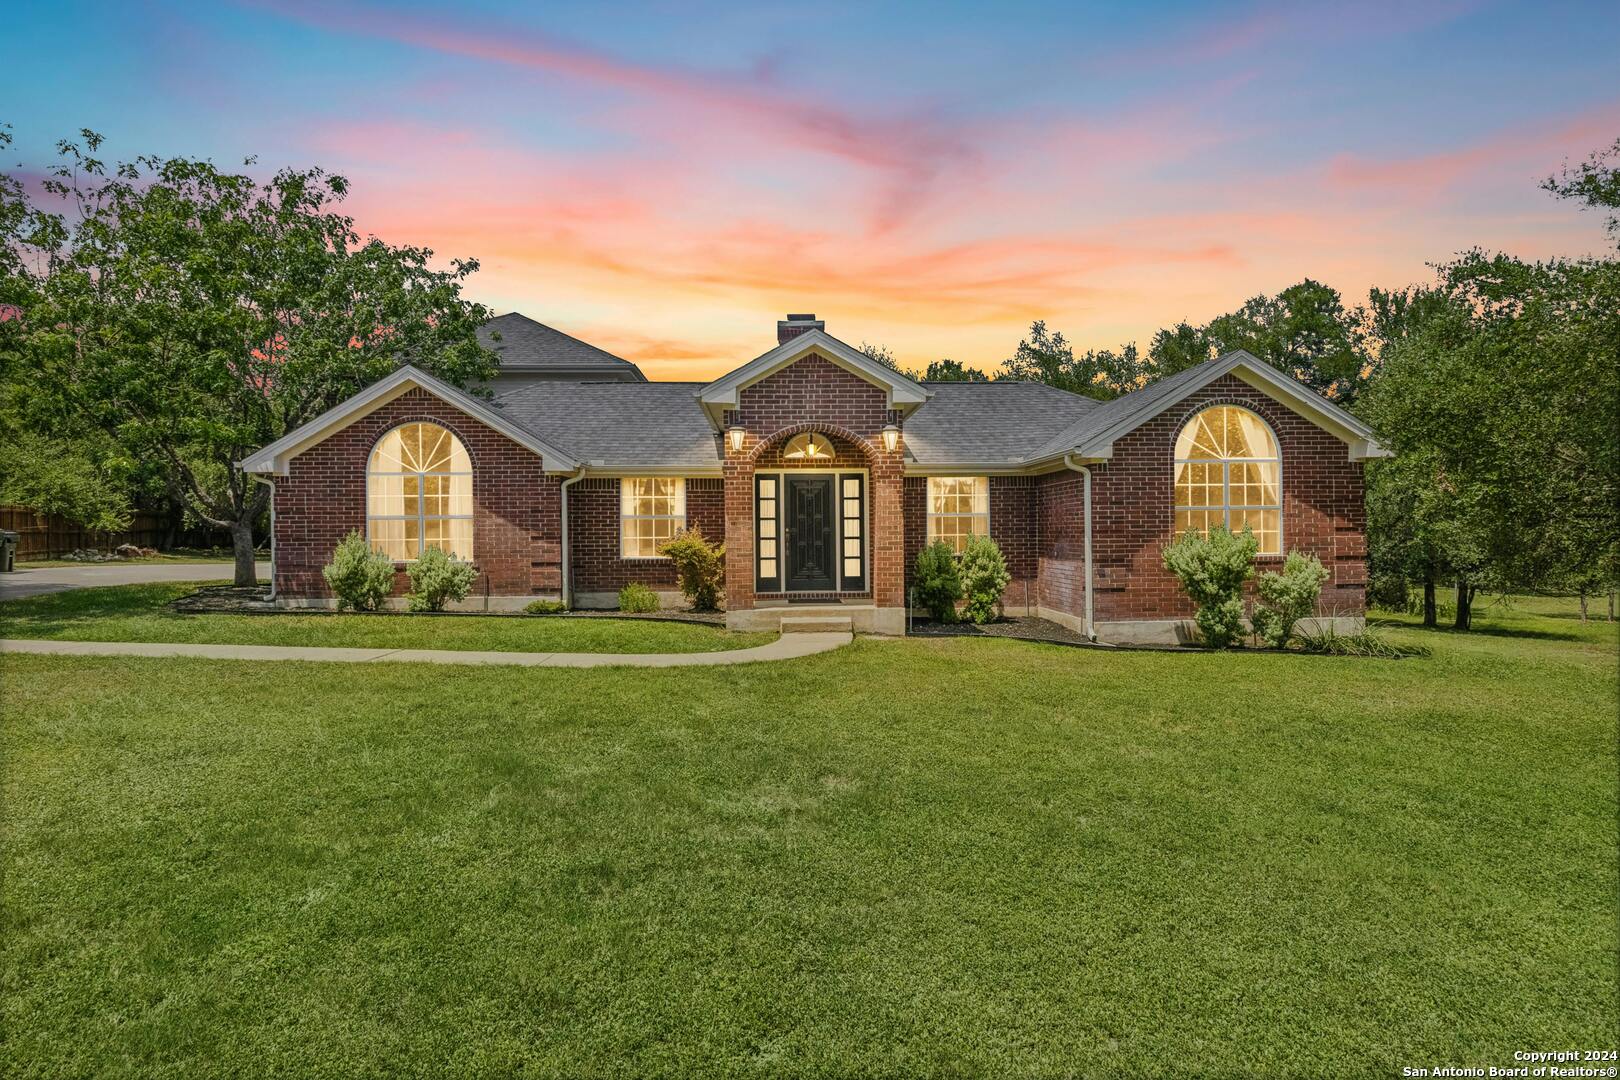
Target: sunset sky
{"x": 666, "y": 181}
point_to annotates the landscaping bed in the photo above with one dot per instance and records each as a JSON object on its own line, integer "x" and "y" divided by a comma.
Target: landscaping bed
{"x": 255, "y": 600}
{"x": 229, "y": 616}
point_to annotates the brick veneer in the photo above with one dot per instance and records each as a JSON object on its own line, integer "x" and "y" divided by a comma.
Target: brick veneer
{"x": 1061, "y": 543}
{"x": 814, "y": 394}
{"x": 593, "y": 542}
{"x": 1133, "y": 509}
{"x": 516, "y": 507}
{"x": 1012, "y": 526}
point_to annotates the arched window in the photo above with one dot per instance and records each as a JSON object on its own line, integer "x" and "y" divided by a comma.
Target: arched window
{"x": 1229, "y": 472}
{"x": 419, "y": 493}
{"x": 811, "y": 446}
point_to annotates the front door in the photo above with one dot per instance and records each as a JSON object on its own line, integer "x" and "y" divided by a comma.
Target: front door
{"x": 811, "y": 541}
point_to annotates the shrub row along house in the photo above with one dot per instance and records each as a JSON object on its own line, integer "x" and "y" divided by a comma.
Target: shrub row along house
{"x": 824, "y": 473}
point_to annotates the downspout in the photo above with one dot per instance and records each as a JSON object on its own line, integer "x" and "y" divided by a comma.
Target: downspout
{"x": 579, "y": 474}
{"x": 1068, "y": 462}
{"x": 271, "y": 484}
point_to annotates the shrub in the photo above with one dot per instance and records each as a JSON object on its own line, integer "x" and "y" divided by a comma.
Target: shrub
{"x": 984, "y": 576}
{"x": 938, "y": 584}
{"x": 545, "y": 607}
{"x": 1213, "y": 569}
{"x": 636, "y": 598}
{"x": 1368, "y": 643}
{"x": 437, "y": 579}
{"x": 1287, "y": 597}
{"x": 359, "y": 577}
{"x": 701, "y": 567}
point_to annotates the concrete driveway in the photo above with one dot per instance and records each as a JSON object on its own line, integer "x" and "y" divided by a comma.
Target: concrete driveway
{"x": 50, "y": 579}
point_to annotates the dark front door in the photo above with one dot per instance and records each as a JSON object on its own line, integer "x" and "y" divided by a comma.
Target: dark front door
{"x": 811, "y": 538}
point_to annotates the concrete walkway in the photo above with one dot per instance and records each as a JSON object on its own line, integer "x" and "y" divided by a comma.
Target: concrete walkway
{"x": 39, "y": 580}
{"x": 786, "y": 647}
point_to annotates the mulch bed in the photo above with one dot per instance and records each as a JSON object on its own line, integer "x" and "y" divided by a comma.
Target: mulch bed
{"x": 255, "y": 600}
{"x": 1018, "y": 627}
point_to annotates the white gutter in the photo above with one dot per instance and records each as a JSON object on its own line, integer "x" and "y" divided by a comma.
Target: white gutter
{"x": 271, "y": 484}
{"x": 1091, "y": 624}
{"x": 579, "y": 474}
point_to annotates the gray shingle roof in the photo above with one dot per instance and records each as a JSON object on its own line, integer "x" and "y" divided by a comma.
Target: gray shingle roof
{"x": 986, "y": 423}
{"x": 1144, "y": 403}
{"x": 527, "y": 345}
{"x": 610, "y": 424}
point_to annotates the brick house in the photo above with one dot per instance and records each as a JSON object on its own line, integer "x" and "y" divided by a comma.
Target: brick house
{"x": 824, "y": 472}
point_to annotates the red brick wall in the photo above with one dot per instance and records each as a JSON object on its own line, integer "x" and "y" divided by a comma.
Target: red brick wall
{"x": 517, "y": 508}
{"x": 813, "y": 393}
{"x": 1133, "y": 509}
{"x": 1012, "y": 527}
{"x": 593, "y": 543}
{"x": 1061, "y": 542}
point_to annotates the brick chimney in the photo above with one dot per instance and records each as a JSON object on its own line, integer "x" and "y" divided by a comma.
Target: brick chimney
{"x": 791, "y": 327}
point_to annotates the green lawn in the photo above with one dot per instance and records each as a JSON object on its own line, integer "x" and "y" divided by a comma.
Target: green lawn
{"x": 934, "y": 856}
{"x": 137, "y": 613}
{"x": 178, "y": 556}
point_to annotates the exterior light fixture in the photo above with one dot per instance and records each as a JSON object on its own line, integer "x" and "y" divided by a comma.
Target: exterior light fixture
{"x": 891, "y": 437}
{"x": 734, "y": 436}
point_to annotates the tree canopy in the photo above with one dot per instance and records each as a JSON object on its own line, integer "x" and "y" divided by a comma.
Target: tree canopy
{"x": 193, "y": 314}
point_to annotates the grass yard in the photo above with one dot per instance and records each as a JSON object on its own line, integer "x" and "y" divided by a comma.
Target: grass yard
{"x": 179, "y": 556}
{"x": 137, "y": 613}
{"x": 948, "y": 856}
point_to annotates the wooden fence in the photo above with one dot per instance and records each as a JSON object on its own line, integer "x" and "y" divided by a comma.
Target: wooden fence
{"x": 50, "y": 536}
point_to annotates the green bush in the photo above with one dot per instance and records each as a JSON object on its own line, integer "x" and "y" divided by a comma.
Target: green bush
{"x": 701, "y": 567}
{"x": 984, "y": 576}
{"x": 359, "y": 577}
{"x": 545, "y": 607}
{"x": 1213, "y": 569}
{"x": 938, "y": 581}
{"x": 1287, "y": 597}
{"x": 636, "y": 598}
{"x": 437, "y": 579}
{"x": 1368, "y": 643}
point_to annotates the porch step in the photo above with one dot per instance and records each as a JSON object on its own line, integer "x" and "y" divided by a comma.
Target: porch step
{"x": 817, "y": 624}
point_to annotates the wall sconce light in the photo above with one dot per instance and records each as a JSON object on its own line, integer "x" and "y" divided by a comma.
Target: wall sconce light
{"x": 891, "y": 437}
{"x": 734, "y": 437}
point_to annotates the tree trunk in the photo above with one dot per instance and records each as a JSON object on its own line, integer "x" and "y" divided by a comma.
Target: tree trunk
{"x": 1583, "y": 605}
{"x": 242, "y": 543}
{"x": 1465, "y": 605}
{"x": 1431, "y": 610}
{"x": 1611, "y": 605}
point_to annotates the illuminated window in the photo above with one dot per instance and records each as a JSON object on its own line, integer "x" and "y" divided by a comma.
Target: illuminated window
{"x": 419, "y": 493}
{"x": 652, "y": 510}
{"x": 810, "y": 446}
{"x": 1229, "y": 472}
{"x": 958, "y": 507}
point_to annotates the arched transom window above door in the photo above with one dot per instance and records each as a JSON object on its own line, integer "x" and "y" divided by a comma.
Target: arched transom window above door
{"x": 419, "y": 493}
{"x": 1229, "y": 472}
{"x": 811, "y": 446}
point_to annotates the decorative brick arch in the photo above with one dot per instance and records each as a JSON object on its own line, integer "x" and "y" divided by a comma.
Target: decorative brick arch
{"x": 777, "y": 438}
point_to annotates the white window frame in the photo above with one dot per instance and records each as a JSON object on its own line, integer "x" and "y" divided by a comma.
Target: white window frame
{"x": 679, "y": 496}
{"x": 422, "y": 517}
{"x": 1226, "y": 464}
{"x": 928, "y": 507}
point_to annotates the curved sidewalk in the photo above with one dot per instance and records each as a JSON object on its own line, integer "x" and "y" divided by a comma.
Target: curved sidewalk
{"x": 785, "y": 647}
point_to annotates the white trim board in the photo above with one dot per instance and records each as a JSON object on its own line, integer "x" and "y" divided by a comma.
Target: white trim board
{"x": 274, "y": 459}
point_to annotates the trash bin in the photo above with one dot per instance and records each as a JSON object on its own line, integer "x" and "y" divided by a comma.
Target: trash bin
{"x": 8, "y": 551}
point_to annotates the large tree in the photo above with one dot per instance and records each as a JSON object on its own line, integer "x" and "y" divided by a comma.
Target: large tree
{"x": 1047, "y": 356}
{"x": 1596, "y": 182}
{"x": 194, "y": 314}
{"x": 1502, "y": 406}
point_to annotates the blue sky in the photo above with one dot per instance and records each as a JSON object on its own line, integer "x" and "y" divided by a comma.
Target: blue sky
{"x": 667, "y": 179}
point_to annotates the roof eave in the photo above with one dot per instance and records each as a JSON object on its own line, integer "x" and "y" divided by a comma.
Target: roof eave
{"x": 273, "y": 460}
